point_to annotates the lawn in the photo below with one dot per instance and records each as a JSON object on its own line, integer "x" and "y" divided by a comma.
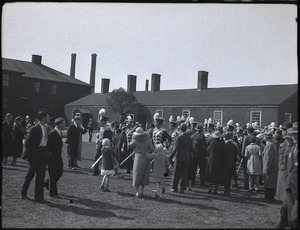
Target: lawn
{"x": 83, "y": 205}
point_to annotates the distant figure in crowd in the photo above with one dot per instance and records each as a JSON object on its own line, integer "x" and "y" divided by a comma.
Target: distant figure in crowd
{"x": 28, "y": 122}
{"x": 252, "y": 154}
{"x": 103, "y": 121}
{"x": 107, "y": 168}
{"x": 183, "y": 148}
{"x": 140, "y": 144}
{"x": 37, "y": 154}
{"x": 284, "y": 149}
{"x": 7, "y": 134}
{"x": 160, "y": 169}
{"x": 231, "y": 152}
{"x": 122, "y": 146}
{"x": 90, "y": 129}
{"x": 246, "y": 142}
{"x": 289, "y": 209}
{"x": 200, "y": 149}
{"x": 55, "y": 162}
{"x": 215, "y": 166}
{"x": 74, "y": 137}
{"x": 115, "y": 143}
{"x": 17, "y": 140}
{"x": 192, "y": 168}
{"x": 270, "y": 167}
{"x": 108, "y": 133}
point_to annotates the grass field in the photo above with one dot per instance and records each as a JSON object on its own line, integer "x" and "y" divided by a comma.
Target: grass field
{"x": 83, "y": 205}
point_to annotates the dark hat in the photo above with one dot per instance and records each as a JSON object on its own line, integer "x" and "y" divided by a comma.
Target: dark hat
{"x": 211, "y": 125}
{"x": 199, "y": 127}
{"x": 195, "y": 123}
{"x": 18, "y": 119}
{"x": 59, "y": 121}
{"x": 294, "y": 129}
{"x": 287, "y": 125}
{"x": 159, "y": 119}
{"x": 217, "y": 134}
{"x": 8, "y": 115}
{"x": 173, "y": 123}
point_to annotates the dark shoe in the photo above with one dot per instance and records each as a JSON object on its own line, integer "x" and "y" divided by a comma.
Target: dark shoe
{"x": 209, "y": 191}
{"x": 41, "y": 200}
{"x": 13, "y": 163}
{"x": 202, "y": 184}
{"x": 215, "y": 192}
{"x": 128, "y": 172}
{"x": 156, "y": 196}
{"x": 106, "y": 190}
{"x": 181, "y": 191}
{"x": 235, "y": 185}
{"x": 46, "y": 184}
{"x": 78, "y": 167}
{"x": 95, "y": 174}
{"x": 163, "y": 191}
{"x": 24, "y": 197}
{"x": 102, "y": 188}
{"x": 55, "y": 196}
{"x": 190, "y": 189}
{"x": 227, "y": 193}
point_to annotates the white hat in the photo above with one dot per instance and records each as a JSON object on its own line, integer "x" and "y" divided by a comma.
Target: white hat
{"x": 159, "y": 147}
{"x": 230, "y": 123}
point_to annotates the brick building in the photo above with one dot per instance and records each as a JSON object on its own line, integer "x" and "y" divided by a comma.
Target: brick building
{"x": 28, "y": 87}
{"x": 264, "y": 104}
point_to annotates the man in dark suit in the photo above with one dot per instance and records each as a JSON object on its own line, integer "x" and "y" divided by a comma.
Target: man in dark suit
{"x": 7, "y": 135}
{"x": 182, "y": 149}
{"x": 55, "y": 163}
{"x": 37, "y": 154}
{"x": 73, "y": 136}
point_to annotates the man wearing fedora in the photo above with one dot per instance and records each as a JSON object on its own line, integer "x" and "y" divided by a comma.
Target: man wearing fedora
{"x": 37, "y": 154}
{"x": 7, "y": 134}
{"x": 289, "y": 208}
{"x": 200, "y": 149}
{"x": 74, "y": 134}
{"x": 182, "y": 150}
{"x": 270, "y": 167}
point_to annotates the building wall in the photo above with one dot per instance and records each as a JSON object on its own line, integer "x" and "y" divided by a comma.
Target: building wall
{"x": 22, "y": 99}
{"x": 288, "y": 106}
{"x": 239, "y": 115}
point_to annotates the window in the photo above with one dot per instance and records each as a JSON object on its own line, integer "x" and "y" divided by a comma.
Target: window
{"x": 255, "y": 116}
{"x": 53, "y": 89}
{"x": 160, "y": 112}
{"x": 37, "y": 87}
{"x": 218, "y": 117}
{"x": 5, "y": 80}
{"x": 35, "y": 106}
{"x": 288, "y": 117}
{"x": 4, "y": 102}
{"x": 186, "y": 113}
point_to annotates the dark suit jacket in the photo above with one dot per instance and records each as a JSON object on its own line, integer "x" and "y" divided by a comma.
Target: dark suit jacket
{"x": 200, "y": 145}
{"x": 230, "y": 155}
{"x": 54, "y": 143}
{"x": 183, "y": 148}
{"x": 73, "y": 134}
{"x": 32, "y": 142}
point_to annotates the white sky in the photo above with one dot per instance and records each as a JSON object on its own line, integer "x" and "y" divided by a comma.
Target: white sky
{"x": 238, "y": 44}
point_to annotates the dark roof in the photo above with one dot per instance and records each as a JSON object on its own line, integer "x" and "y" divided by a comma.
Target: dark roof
{"x": 38, "y": 71}
{"x": 247, "y": 95}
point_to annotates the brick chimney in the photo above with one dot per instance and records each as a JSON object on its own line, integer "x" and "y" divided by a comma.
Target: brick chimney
{"x": 73, "y": 62}
{"x": 93, "y": 72}
{"x": 202, "y": 80}
{"x": 131, "y": 83}
{"x": 36, "y": 59}
{"x": 105, "y": 85}
{"x": 155, "y": 82}
{"x": 147, "y": 85}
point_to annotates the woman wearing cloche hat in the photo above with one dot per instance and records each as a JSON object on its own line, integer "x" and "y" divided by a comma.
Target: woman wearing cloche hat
{"x": 214, "y": 171}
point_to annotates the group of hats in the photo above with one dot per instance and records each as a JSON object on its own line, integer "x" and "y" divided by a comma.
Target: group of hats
{"x": 292, "y": 130}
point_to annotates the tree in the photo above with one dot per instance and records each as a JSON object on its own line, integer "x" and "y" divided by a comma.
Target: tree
{"x": 121, "y": 101}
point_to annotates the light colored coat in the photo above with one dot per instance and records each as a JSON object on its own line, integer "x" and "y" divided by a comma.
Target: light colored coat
{"x": 160, "y": 167}
{"x": 270, "y": 165}
{"x": 252, "y": 153}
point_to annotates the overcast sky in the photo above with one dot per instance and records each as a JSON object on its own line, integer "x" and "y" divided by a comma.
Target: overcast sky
{"x": 238, "y": 44}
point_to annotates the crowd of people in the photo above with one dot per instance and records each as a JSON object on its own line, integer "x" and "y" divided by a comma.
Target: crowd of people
{"x": 268, "y": 156}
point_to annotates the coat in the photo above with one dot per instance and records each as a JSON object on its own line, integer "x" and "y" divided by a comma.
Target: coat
{"x": 74, "y": 138}
{"x": 252, "y": 154}
{"x": 140, "y": 144}
{"x": 183, "y": 148}
{"x": 32, "y": 142}
{"x": 231, "y": 151}
{"x": 55, "y": 145}
{"x": 17, "y": 140}
{"x": 270, "y": 165}
{"x": 284, "y": 150}
{"x": 200, "y": 145}
{"x": 7, "y": 138}
{"x": 215, "y": 166}
{"x": 292, "y": 172}
{"x": 161, "y": 164}
{"x": 107, "y": 153}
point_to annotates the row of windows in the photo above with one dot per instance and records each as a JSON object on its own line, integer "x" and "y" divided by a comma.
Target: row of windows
{"x": 37, "y": 85}
{"x": 35, "y": 105}
{"x": 255, "y": 116}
